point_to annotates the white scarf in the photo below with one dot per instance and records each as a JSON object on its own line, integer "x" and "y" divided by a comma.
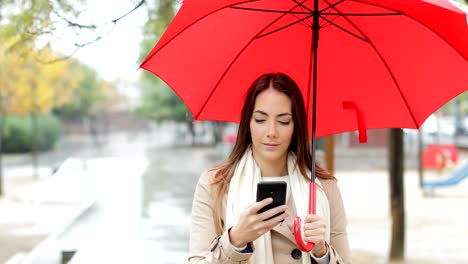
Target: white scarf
{"x": 244, "y": 182}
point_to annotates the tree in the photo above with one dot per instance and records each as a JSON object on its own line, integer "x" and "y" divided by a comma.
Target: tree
{"x": 30, "y": 24}
{"x": 29, "y": 87}
{"x": 86, "y": 99}
{"x": 160, "y": 103}
{"x": 90, "y": 92}
{"x": 397, "y": 197}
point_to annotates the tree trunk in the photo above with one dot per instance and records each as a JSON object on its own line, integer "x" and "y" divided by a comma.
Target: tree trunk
{"x": 2, "y": 121}
{"x": 34, "y": 147}
{"x": 191, "y": 130}
{"x": 218, "y": 131}
{"x": 397, "y": 198}
{"x": 93, "y": 131}
{"x": 420, "y": 158}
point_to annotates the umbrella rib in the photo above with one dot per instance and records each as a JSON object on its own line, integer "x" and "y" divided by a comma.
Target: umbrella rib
{"x": 308, "y": 12}
{"x": 237, "y": 56}
{"x": 306, "y": 8}
{"x": 303, "y": 6}
{"x": 345, "y": 30}
{"x": 331, "y": 6}
{"x": 371, "y": 43}
{"x": 283, "y": 27}
{"x": 448, "y": 43}
{"x": 270, "y": 10}
{"x": 322, "y": 12}
{"x": 190, "y": 25}
{"x": 362, "y": 14}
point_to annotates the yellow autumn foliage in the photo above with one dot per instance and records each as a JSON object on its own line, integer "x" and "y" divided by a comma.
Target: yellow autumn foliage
{"x": 27, "y": 85}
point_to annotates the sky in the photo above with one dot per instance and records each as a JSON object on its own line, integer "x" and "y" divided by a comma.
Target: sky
{"x": 115, "y": 56}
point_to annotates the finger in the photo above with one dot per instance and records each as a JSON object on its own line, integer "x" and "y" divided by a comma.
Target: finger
{"x": 315, "y": 232}
{"x": 253, "y": 209}
{"x": 312, "y": 218}
{"x": 314, "y": 239}
{"x": 314, "y": 225}
{"x": 273, "y": 211}
{"x": 269, "y": 224}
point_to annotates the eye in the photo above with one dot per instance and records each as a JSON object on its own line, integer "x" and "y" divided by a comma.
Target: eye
{"x": 284, "y": 123}
{"x": 259, "y": 120}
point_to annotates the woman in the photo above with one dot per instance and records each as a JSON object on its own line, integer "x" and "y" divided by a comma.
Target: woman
{"x": 272, "y": 143}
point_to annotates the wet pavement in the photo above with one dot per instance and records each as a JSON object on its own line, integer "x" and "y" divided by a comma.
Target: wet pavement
{"x": 142, "y": 187}
{"x": 436, "y": 226}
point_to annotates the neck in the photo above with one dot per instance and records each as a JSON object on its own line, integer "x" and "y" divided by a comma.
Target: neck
{"x": 273, "y": 168}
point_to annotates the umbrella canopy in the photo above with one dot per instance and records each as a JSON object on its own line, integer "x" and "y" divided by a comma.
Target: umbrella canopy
{"x": 395, "y": 62}
{"x": 383, "y": 63}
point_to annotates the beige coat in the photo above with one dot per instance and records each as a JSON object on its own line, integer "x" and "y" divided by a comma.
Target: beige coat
{"x": 207, "y": 247}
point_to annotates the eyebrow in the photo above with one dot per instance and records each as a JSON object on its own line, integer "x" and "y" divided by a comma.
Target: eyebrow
{"x": 264, "y": 113}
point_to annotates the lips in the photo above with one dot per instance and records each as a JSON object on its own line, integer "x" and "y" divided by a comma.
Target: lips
{"x": 270, "y": 144}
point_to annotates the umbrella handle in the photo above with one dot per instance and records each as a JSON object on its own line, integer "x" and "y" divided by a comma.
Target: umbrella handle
{"x": 306, "y": 247}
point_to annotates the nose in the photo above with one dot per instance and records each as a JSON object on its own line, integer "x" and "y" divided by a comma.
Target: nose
{"x": 272, "y": 129}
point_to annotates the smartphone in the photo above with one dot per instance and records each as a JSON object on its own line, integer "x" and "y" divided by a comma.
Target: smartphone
{"x": 273, "y": 189}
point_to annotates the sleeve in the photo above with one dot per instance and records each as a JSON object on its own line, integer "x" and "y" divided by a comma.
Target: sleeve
{"x": 205, "y": 245}
{"x": 247, "y": 249}
{"x": 325, "y": 259}
{"x": 339, "y": 247}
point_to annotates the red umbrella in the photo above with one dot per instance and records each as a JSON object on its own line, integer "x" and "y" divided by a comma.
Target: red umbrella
{"x": 383, "y": 63}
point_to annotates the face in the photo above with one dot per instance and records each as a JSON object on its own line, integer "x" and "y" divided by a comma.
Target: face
{"x": 271, "y": 126}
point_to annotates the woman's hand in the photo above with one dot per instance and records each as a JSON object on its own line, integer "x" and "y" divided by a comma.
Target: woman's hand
{"x": 252, "y": 225}
{"x": 314, "y": 231}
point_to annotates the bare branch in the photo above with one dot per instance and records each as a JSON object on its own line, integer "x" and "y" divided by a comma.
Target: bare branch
{"x": 87, "y": 43}
{"x": 78, "y": 46}
{"x": 91, "y": 26}
{"x": 74, "y": 24}
{"x": 126, "y": 14}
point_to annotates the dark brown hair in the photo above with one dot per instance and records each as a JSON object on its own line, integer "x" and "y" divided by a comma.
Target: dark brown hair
{"x": 299, "y": 142}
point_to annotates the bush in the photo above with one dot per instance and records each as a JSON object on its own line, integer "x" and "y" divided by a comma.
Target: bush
{"x": 17, "y": 133}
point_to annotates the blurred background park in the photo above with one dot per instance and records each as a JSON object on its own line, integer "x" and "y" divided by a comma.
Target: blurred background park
{"x": 99, "y": 160}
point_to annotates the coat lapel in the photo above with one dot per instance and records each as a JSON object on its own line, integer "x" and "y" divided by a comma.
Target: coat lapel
{"x": 286, "y": 228}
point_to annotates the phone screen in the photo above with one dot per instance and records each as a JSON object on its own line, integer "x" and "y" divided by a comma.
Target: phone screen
{"x": 273, "y": 189}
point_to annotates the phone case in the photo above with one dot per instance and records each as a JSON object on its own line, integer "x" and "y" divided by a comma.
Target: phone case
{"x": 274, "y": 189}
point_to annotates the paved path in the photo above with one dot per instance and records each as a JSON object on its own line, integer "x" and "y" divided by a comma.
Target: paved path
{"x": 144, "y": 188}
{"x": 436, "y": 226}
